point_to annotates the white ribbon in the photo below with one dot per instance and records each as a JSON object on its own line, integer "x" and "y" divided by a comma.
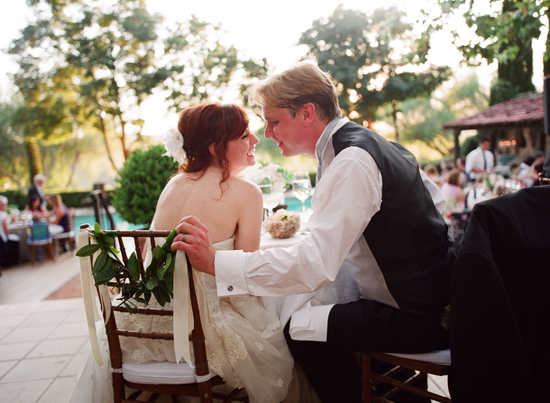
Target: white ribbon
{"x": 183, "y": 314}
{"x": 92, "y": 314}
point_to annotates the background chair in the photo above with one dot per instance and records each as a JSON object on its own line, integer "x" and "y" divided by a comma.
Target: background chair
{"x": 162, "y": 377}
{"x": 435, "y": 363}
{"x": 38, "y": 238}
{"x": 67, "y": 239}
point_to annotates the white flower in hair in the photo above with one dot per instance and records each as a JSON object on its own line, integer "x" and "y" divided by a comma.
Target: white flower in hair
{"x": 173, "y": 142}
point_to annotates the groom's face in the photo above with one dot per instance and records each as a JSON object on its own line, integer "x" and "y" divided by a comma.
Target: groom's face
{"x": 284, "y": 129}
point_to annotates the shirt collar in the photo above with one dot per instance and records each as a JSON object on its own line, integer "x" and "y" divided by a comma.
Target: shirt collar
{"x": 324, "y": 137}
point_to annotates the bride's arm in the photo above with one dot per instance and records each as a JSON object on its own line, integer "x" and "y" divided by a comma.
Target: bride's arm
{"x": 249, "y": 202}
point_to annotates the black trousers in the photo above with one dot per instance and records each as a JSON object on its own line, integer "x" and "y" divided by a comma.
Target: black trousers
{"x": 363, "y": 326}
{"x": 9, "y": 253}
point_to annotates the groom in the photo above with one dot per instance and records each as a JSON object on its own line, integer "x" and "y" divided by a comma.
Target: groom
{"x": 371, "y": 212}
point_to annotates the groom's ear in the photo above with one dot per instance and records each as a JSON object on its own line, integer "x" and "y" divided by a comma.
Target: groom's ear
{"x": 308, "y": 113}
{"x": 212, "y": 149}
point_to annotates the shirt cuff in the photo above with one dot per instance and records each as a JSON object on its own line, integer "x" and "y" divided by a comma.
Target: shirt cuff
{"x": 230, "y": 280}
{"x": 310, "y": 323}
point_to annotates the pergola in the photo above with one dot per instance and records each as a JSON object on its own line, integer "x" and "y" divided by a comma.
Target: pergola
{"x": 517, "y": 123}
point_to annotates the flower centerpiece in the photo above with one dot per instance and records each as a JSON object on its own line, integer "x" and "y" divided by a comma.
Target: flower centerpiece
{"x": 283, "y": 224}
{"x": 270, "y": 173}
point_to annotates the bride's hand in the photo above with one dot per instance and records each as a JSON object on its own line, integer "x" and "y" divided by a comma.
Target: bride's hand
{"x": 193, "y": 239}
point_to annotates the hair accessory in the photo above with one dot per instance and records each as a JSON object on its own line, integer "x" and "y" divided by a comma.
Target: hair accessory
{"x": 173, "y": 142}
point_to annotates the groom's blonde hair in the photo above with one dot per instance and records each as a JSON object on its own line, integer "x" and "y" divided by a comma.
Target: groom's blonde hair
{"x": 301, "y": 84}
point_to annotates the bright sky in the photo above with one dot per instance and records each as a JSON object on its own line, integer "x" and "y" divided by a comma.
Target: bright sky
{"x": 256, "y": 28}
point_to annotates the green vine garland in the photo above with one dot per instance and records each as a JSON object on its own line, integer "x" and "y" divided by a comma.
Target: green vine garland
{"x": 159, "y": 275}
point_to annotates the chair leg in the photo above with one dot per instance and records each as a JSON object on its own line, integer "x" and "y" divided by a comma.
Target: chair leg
{"x": 51, "y": 250}
{"x": 365, "y": 378}
{"x": 33, "y": 254}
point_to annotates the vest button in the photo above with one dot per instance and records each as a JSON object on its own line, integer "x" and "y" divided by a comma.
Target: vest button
{"x": 229, "y": 288}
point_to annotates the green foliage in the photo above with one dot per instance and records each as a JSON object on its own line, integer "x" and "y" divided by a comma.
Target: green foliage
{"x": 470, "y": 144}
{"x": 157, "y": 278}
{"x": 505, "y": 34}
{"x": 423, "y": 118}
{"x": 359, "y": 51}
{"x": 141, "y": 182}
{"x": 503, "y": 90}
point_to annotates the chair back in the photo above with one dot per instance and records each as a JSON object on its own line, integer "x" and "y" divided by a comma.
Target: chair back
{"x": 136, "y": 239}
{"x": 500, "y": 305}
{"x": 39, "y": 231}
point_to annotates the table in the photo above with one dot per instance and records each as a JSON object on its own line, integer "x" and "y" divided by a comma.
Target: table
{"x": 21, "y": 229}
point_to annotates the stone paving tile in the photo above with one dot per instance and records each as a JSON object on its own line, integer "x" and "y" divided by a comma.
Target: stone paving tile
{"x": 54, "y": 347}
{"x": 69, "y": 330}
{"x": 60, "y": 391}
{"x": 16, "y": 351}
{"x": 13, "y": 320}
{"x": 23, "y": 392}
{"x": 44, "y": 319}
{"x": 37, "y": 368}
{"x": 6, "y": 366}
{"x": 21, "y": 334}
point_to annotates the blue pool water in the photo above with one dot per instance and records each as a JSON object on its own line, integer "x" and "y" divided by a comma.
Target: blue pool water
{"x": 105, "y": 224}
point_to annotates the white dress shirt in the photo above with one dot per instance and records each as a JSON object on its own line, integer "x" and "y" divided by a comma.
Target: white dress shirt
{"x": 345, "y": 199}
{"x": 475, "y": 160}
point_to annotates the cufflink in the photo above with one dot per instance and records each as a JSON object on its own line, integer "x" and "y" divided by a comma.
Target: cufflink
{"x": 229, "y": 288}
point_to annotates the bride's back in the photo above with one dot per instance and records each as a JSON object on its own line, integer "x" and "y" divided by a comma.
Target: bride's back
{"x": 220, "y": 212}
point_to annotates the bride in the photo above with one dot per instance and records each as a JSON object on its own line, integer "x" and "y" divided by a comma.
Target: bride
{"x": 245, "y": 346}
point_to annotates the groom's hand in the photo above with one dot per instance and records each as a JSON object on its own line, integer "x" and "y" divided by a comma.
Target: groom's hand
{"x": 194, "y": 240}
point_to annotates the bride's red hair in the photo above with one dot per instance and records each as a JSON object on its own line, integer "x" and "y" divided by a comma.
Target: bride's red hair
{"x": 210, "y": 123}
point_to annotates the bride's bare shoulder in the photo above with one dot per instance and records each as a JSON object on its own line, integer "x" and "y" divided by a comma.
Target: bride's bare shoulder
{"x": 244, "y": 188}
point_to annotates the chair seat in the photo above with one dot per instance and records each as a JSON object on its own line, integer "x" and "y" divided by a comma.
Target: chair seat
{"x": 40, "y": 242}
{"x": 159, "y": 373}
{"x": 440, "y": 357}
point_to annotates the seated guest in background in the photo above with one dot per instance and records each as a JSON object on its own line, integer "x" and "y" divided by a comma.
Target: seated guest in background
{"x": 433, "y": 173}
{"x": 526, "y": 173}
{"x": 453, "y": 193}
{"x": 35, "y": 207}
{"x": 59, "y": 213}
{"x": 9, "y": 243}
{"x": 36, "y": 188}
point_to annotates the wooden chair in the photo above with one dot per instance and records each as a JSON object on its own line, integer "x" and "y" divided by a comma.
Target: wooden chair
{"x": 436, "y": 363}
{"x": 125, "y": 375}
{"x": 67, "y": 238}
{"x": 544, "y": 180}
{"x": 39, "y": 237}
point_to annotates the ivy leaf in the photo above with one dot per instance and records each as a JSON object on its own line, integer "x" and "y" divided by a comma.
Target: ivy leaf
{"x": 87, "y": 250}
{"x": 162, "y": 269}
{"x": 100, "y": 262}
{"x": 133, "y": 266}
{"x": 152, "y": 283}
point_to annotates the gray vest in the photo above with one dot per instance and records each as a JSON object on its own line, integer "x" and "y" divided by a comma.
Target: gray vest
{"x": 408, "y": 236}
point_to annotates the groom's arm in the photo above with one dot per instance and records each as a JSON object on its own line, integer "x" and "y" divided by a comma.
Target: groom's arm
{"x": 345, "y": 200}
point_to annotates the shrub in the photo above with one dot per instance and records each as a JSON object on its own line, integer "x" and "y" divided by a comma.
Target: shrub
{"x": 141, "y": 181}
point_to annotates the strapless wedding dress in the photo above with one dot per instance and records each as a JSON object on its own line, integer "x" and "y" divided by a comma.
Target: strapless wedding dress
{"x": 245, "y": 344}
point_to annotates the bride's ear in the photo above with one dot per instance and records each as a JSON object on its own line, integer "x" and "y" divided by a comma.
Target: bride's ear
{"x": 212, "y": 149}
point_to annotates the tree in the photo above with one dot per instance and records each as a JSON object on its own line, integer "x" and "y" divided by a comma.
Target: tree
{"x": 505, "y": 34}
{"x": 12, "y": 161}
{"x": 423, "y": 118}
{"x": 361, "y": 53}
{"x": 104, "y": 60}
